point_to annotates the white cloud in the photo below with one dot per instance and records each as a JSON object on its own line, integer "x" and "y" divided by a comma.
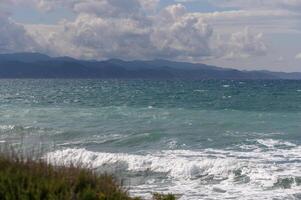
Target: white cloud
{"x": 298, "y": 56}
{"x": 267, "y": 21}
{"x": 243, "y": 44}
{"x": 104, "y": 38}
{"x": 178, "y": 34}
{"x": 134, "y": 29}
{"x": 13, "y": 36}
{"x": 173, "y": 33}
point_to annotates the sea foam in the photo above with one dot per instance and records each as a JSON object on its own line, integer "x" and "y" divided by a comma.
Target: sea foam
{"x": 210, "y": 173}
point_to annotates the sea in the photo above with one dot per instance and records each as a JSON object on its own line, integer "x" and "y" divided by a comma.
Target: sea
{"x": 211, "y": 139}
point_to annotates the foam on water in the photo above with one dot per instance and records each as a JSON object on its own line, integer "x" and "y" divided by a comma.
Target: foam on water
{"x": 211, "y": 173}
{"x": 270, "y": 143}
{"x": 6, "y": 127}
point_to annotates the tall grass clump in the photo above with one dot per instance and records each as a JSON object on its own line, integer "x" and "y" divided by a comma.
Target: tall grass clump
{"x": 28, "y": 178}
{"x": 22, "y": 178}
{"x": 158, "y": 196}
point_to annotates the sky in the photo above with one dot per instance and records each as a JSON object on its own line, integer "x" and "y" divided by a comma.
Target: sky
{"x": 242, "y": 34}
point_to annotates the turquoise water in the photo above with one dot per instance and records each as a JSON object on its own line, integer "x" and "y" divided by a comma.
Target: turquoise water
{"x": 197, "y": 139}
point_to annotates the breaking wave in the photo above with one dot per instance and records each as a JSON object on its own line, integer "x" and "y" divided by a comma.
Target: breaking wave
{"x": 262, "y": 173}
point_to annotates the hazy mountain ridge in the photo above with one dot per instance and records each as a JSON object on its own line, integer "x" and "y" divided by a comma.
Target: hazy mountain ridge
{"x": 35, "y": 65}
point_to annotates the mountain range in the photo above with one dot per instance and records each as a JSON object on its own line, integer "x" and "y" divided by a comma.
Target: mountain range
{"x": 35, "y": 65}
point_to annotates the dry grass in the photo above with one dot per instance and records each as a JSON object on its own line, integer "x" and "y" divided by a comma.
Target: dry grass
{"x": 33, "y": 179}
{"x": 158, "y": 196}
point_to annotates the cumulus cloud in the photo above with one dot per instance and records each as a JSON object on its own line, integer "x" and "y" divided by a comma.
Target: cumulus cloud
{"x": 104, "y": 38}
{"x": 172, "y": 33}
{"x": 13, "y": 36}
{"x": 176, "y": 33}
{"x": 132, "y": 29}
{"x": 243, "y": 44}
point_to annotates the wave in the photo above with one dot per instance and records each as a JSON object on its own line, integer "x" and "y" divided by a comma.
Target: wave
{"x": 19, "y": 128}
{"x": 256, "y": 174}
{"x": 7, "y": 127}
{"x": 271, "y": 143}
{"x": 178, "y": 164}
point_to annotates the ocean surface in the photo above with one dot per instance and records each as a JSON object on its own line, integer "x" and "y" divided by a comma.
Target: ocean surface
{"x": 196, "y": 139}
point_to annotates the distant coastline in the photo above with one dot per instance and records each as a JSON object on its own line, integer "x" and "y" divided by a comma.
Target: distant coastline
{"x": 40, "y": 66}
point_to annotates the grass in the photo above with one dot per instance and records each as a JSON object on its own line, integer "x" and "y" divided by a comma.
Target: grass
{"x": 28, "y": 179}
{"x": 158, "y": 196}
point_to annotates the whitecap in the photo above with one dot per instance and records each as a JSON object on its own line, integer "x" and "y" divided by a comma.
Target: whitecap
{"x": 7, "y": 127}
{"x": 210, "y": 173}
{"x": 271, "y": 143}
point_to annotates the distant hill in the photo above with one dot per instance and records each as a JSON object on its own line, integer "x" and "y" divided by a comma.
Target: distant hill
{"x": 35, "y": 65}
{"x": 24, "y": 57}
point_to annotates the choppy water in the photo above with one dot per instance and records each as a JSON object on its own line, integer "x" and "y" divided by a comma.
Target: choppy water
{"x": 197, "y": 139}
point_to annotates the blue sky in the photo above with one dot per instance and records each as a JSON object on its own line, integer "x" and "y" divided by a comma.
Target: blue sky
{"x": 243, "y": 34}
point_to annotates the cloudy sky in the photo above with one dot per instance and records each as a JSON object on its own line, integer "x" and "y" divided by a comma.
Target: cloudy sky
{"x": 242, "y": 34}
